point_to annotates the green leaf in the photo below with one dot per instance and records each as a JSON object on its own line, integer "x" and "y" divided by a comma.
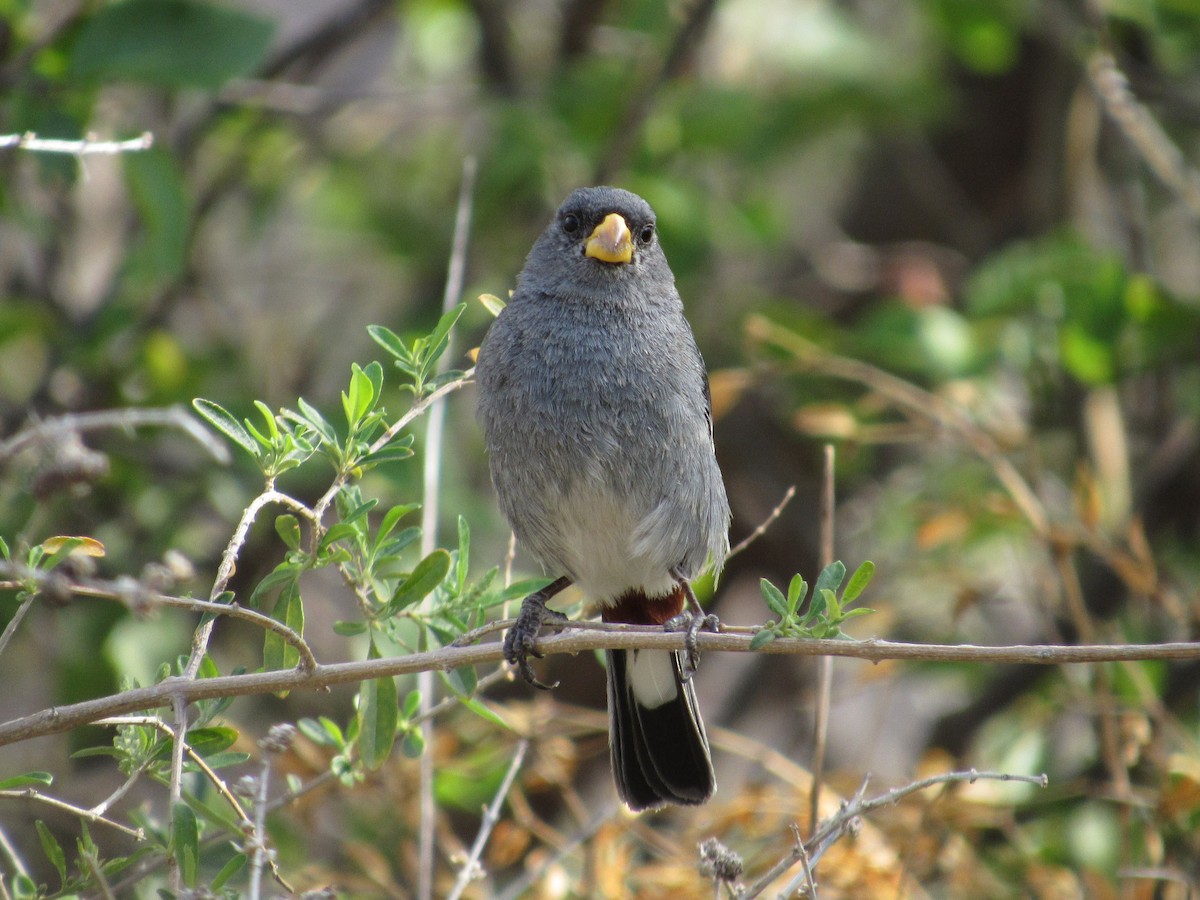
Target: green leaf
{"x": 761, "y": 638}
{"x": 390, "y": 519}
{"x": 831, "y": 577}
{"x": 462, "y": 681}
{"x": 378, "y": 713}
{"x": 412, "y": 703}
{"x": 439, "y": 339}
{"x": 396, "y": 450}
{"x": 464, "y": 552}
{"x": 157, "y": 187}
{"x": 775, "y": 599}
{"x": 428, "y": 574}
{"x": 4, "y": 550}
{"x": 176, "y": 44}
{"x": 29, "y": 779}
{"x": 185, "y": 841}
{"x": 281, "y": 574}
{"x": 287, "y": 527}
{"x": 323, "y": 731}
{"x": 361, "y": 397}
{"x": 858, "y": 582}
{"x": 53, "y": 850}
{"x": 220, "y": 419}
{"x": 389, "y": 341}
{"x": 212, "y": 739}
{"x": 485, "y": 712}
{"x": 413, "y": 744}
{"x": 797, "y": 591}
{"x": 349, "y": 629}
{"x": 236, "y": 863}
{"x": 319, "y": 423}
{"x": 289, "y": 609}
{"x": 832, "y": 607}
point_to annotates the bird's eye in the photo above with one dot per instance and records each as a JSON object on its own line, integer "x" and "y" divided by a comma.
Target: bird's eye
{"x": 570, "y": 224}
{"x": 647, "y": 234}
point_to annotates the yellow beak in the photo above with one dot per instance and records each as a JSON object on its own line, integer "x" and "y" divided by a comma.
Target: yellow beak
{"x": 611, "y": 241}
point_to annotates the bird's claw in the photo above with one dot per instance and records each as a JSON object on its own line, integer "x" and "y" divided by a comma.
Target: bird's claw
{"x": 691, "y": 624}
{"x": 521, "y": 641}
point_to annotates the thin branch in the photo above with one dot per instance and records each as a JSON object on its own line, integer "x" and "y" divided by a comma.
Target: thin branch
{"x": 107, "y": 803}
{"x": 420, "y": 406}
{"x": 135, "y": 595}
{"x": 1142, "y": 130}
{"x": 56, "y": 720}
{"x": 763, "y": 525}
{"x": 86, "y": 814}
{"x": 922, "y": 403}
{"x": 490, "y": 818}
{"x": 11, "y": 628}
{"x": 430, "y": 509}
{"x": 171, "y": 416}
{"x": 825, "y": 663}
{"x": 88, "y": 146}
{"x": 843, "y": 820}
{"x": 14, "y": 857}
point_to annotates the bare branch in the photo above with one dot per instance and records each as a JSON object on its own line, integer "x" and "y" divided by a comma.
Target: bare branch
{"x": 1143, "y": 131}
{"x": 138, "y": 597}
{"x": 575, "y": 640}
{"x": 171, "y": 416}
{"x": 88, "y": 146}
{"x": 490, "y": 817}
{"x": 763, "y": 525}
{"x": 86, "y": 814}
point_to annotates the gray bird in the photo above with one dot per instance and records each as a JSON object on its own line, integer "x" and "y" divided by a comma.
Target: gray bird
{"x": 595, "y": 408}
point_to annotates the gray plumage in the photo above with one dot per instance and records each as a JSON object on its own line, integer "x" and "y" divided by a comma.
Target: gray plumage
{"x": 594, "y": 403}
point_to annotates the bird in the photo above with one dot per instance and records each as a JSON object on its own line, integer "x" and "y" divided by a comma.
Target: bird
{"x": 596, "y": 412}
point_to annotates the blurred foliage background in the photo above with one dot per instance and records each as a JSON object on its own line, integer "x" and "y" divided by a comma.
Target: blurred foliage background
{"x": 995, "y": 202}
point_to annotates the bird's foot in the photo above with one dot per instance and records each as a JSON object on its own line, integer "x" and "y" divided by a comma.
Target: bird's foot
{"x": 521, "y": 641}
{"x": 691, "y": 621}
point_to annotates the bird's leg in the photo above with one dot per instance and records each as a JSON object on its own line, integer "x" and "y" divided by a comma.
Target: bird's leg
{"x": 521, "y": 641}
{"x": 691, "y": 621}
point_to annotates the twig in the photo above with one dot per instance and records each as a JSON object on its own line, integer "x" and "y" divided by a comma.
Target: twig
{"x": 88, "y": 146}
{"x": 86, "y": 814}
{"x": 15, "y": 858}
{"x": 1143, "y": 131}
{"x": 11, "y": 628}
{"x": 430, "y": 508}
{"x": 856, "y": 807}
{"x": 170, "y": 416}
{"x": 137, "y": 596}
{"x": 825, "y": 663}
{"x": 763, "y": 525}
{"x": 490, "y": 818}
{"x": 106, "y": 804}
{"x": 420, "y": 406}
{"x": 97, "y": 873}
{"x": 56, "y": 720}
{"x": 918, "y": 402}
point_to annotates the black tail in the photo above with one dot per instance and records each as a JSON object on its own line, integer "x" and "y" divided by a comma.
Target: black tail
{"x": 659, "y": 748}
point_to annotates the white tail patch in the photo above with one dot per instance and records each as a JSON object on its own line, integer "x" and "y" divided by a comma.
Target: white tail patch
{"x": 651, "y": 677}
